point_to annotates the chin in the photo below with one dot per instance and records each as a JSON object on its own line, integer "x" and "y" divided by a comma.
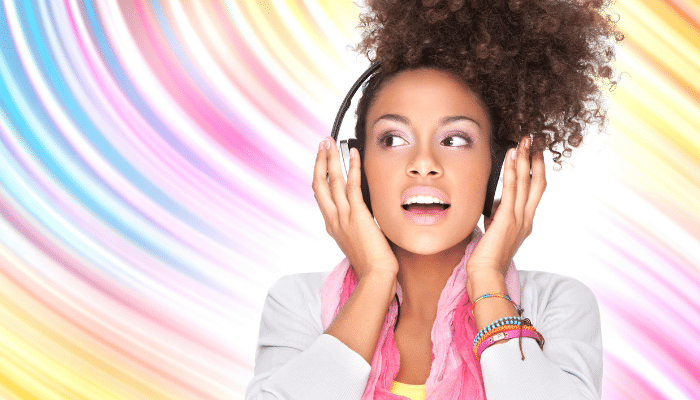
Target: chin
{"x": 427, "y": 245}
{"x": 428, "y": 239}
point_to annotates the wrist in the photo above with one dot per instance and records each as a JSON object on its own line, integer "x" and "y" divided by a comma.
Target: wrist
{"x": 381, "y": 280}
{"x": 484, "y": 281}
{"x": 489, "y": 310}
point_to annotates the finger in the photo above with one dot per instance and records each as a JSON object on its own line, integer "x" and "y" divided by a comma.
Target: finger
{"x": 325, "y": 218}
{"x": 522, "y": 177}
{"x": 509, "y": 185}
{"x": 494, "y": 207}
{"x": 353, "y": 187}
{"x": 320, "y": 187}
{"x": 505, "y": 208}
{"x": 336, "y": 181}
{"x": 537, "y": 185}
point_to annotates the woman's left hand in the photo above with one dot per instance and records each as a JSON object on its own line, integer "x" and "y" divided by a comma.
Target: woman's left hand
{"x": 512, "y": 221}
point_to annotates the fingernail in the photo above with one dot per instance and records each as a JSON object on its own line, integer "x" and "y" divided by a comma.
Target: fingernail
{"x": 513, "y": 153}
{"x": 527, "y": 143}
{"x": 328, "y": 143}
{"x": 352, "y": 153}
{"x": 321, "y": 144}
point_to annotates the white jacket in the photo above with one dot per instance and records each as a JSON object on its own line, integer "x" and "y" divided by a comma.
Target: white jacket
{"x": 296, "y": 360}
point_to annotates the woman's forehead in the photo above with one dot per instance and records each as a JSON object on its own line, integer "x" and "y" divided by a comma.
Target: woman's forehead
{"x": 429, "y": 93}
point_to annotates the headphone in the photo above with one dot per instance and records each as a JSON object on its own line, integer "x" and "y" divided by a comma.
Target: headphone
{"x": 498, "y": 150}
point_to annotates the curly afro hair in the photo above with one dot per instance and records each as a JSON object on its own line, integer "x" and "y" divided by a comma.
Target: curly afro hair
{"x": 538, "y": 65}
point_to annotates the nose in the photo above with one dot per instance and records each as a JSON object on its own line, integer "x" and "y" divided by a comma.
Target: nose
{"x": 424, "y": 164}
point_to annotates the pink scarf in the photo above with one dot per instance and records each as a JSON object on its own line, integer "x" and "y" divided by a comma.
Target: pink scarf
{"x": 454, "y": 373}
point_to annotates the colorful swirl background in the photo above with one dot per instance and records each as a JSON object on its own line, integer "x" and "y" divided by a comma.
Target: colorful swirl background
{"x": 155, "y": 172}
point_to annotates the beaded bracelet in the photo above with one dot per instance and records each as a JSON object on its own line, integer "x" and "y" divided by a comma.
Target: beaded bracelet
{"x": 495, "y": 324}
{"x": 533, "y": 333}
{"x": 498, "y": 294}
{"x": 492, "y": 329}
{"x": 498, "y": 330}
{"x": 501, "y": 335}
{"x": 507, "y": 335}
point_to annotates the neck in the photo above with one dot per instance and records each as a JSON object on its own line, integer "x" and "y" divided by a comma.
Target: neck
{"x": 423, "y": 278}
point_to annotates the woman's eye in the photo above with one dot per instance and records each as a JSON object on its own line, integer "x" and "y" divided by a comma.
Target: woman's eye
{"x": 392, "y": 141}
{"x": 457, "y": 141}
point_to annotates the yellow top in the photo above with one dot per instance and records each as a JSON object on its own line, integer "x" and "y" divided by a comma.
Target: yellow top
{"x": 413, "y": 392}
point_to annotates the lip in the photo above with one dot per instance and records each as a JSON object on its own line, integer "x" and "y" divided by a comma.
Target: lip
{"x": 424, "y": 191}
{"x": 421, "y": 217}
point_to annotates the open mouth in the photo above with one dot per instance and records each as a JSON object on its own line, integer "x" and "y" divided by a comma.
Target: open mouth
{"x": 424, "y": 205}
{"x": 417, "y": 207}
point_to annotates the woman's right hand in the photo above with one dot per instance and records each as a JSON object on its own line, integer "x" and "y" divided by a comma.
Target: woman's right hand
{"x": 347, "y": 218}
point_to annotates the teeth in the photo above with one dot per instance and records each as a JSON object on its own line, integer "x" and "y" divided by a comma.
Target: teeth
{"x": 423, "y": 200}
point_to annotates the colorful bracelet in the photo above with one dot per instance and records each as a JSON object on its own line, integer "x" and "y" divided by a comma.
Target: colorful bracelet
{"x": 506, "y": 335}
{"x": 496, "y": 324}
{"x": 521, "y": 325}
{"x": 498, "y": 294}
{"x": 497, "y": 331}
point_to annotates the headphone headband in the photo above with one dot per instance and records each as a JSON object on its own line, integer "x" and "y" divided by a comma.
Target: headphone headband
{"x": 348, "y": 98}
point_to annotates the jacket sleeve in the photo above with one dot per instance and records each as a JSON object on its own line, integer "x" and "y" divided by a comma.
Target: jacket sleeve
{"x": 294, "y": 358}
{"x": 570, "y": 366}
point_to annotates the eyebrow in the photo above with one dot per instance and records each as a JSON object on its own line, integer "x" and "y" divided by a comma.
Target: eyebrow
{"x": 443, "y": 121}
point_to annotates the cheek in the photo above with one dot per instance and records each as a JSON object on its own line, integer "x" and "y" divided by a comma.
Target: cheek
{"x": 483, "y": 166}
{"x": 481, "y": 176}
{"x": 378, "y": 171}
{"x": 474, "y": 182}
{"x": 379, "y": 191}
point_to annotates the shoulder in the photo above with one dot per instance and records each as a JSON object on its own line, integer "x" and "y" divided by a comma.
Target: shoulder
{"x": 302, "y": 287}
{"x": 557, "y": 301}
{"x": 293, "y": 304}
{"x": 548, "y": 286}
{"x": 299, "y": 294}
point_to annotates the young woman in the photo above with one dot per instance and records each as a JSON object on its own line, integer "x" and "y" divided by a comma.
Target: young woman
{"x": 425, "y": 304}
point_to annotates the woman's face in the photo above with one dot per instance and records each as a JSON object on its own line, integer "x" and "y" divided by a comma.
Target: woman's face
{"x": 427, "y": 134}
